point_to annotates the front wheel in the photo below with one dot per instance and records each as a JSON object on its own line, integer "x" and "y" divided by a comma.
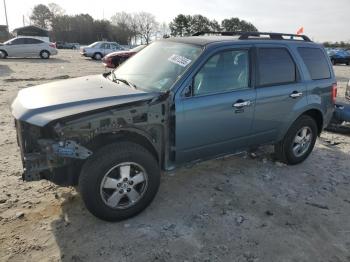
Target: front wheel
{"x": 298, "y": 142}
{"x": 119, "y": 181}
{"x": 3, "y": 54}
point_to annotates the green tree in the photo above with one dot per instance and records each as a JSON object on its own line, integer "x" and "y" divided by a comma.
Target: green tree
{"x": 235, "y": 24}
{"x": 41, "y": 16}
{"x": 181, "y": 25}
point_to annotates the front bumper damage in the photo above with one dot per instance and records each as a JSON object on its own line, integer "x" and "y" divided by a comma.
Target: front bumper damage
{"x": 53, "y": 154}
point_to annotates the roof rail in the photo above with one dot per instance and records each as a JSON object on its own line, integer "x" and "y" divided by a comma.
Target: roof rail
{"x": 256, "y": 35}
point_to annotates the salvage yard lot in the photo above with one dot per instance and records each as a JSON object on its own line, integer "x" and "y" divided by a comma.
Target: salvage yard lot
{"x": 241, "y": 208}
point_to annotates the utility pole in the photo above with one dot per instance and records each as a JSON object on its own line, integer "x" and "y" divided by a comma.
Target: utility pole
{"x": 23, "y": 20}
{"x": 7, "y": 22}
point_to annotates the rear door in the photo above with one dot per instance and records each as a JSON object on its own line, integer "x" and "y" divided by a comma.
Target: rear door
{"x": 106, "y": 48}
{"x": 214, "y": 112}
{"x": 280, "y": 93}
{"x": 33, "y": 46}
{"x": 320, "y": 79}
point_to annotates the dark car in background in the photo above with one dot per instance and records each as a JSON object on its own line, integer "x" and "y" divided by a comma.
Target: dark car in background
{"x": 114, "y": 59}
{"x": 66, "y": 45}
{"x": 339, "y": 56}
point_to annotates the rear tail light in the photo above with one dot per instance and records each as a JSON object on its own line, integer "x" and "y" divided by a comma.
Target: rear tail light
{"x": 53, "y": 45}
{"x": 334, "y": 92}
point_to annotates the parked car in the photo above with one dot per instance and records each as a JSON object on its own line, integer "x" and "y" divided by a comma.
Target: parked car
{"x": 115, "y": 59}
{"x": 180, "y": 100}
{"x": 65, "y": 45}
{"x": 342, "y": 111}
{"x": 339, "y": 57}
{"x": 27, "y": 47}
{"x": 98, "y": 50}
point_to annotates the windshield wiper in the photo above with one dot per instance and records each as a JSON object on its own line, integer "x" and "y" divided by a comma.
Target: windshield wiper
{"x": 117, "y": 79}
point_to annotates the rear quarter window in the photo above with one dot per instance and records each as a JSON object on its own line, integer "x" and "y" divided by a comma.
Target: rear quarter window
{"x": 316, "y": 62}
{"x": 275, "y": 67}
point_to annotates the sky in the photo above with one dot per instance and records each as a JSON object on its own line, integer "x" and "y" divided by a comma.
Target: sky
{"x": 323, "y": 20}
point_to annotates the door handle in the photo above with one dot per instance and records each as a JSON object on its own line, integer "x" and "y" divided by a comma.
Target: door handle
{"x": 296, "y": 94}
{"x": 241, "y": 103}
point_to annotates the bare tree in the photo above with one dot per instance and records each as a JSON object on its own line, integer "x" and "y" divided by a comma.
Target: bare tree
{"x": 56, "y": 9}
{"x": 123, "y": 23}
{"x": 164, "y": 30}
{"x": 147, "y": 26}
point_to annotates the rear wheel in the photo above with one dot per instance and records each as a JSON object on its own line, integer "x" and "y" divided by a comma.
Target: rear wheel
{"x": 333, "y": 61}
{"x": 97, "y": 56}
{"x": 298, "y": 142}
{"x": 119, "y": 181}
{"x": 45, "y": 54}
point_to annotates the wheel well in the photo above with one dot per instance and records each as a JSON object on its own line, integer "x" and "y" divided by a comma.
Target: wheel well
{"x": 45, "y": 51}
{"x": 4, "y": 52}
{"x": 317, "y": 116}
{"x": 107, "y": 139}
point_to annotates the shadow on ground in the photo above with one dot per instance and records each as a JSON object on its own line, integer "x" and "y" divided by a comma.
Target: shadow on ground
{"x": 5, "y": 70}
{"x": 232, "y": 209}
{"x": 36, "y": 60}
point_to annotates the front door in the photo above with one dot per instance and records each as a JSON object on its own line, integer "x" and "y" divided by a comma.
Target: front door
{"x": 216, "y": 117}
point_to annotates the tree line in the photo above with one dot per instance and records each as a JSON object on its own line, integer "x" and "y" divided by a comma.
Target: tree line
{"x": 125, "y": 28}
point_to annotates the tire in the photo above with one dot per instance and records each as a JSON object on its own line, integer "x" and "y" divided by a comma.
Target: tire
{"x": 45, "y": 54}
{"x": 333, "y": 62}
{"x": 105, "y": 199}
{"x": 347, "y": 63}
{"x": 3, "y": 54}
{"x": 284, "y": 149}
{"x": 74, "y": 47}
{"x": 97, "y": 56}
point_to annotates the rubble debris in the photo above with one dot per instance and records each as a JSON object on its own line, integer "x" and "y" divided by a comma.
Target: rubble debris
{"x": 317, "y": 205}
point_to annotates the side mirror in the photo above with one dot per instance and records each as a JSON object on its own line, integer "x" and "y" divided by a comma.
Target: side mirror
{"x": 187, "y": 92}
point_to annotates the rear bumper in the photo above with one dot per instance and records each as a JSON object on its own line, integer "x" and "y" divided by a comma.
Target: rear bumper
{"x": 53, "y": 52}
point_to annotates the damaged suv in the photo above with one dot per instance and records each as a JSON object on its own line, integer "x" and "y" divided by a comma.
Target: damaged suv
{"x": 178, "y": 100}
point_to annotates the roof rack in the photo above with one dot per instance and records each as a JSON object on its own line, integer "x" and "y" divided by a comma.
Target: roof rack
{"x": 256, "y": 35}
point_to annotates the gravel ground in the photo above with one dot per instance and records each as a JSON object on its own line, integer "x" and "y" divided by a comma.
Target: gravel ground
{"x": 241, "y": 208}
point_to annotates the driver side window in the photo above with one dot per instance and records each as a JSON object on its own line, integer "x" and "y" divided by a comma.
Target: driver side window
{"x": 225, "y": 71}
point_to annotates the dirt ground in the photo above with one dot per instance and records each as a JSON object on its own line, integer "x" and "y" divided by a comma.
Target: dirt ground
{"x": 241, "y": 208}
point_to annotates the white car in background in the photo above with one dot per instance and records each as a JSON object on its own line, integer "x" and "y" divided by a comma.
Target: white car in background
{"x": 27, "y": 47}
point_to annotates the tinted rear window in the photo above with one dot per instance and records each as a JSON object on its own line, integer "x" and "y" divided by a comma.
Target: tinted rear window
{"x": 33, "y": 41}
{"x": 315, "y": 62}
{"x": 275, "y": 66}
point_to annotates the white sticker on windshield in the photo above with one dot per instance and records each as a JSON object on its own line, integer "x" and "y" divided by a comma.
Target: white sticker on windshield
{"x": 180, "y": 60}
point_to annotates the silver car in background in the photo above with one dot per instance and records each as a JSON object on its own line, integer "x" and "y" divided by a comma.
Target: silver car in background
{"x": 99, "y": 49}
{"x": 27, "y": 47}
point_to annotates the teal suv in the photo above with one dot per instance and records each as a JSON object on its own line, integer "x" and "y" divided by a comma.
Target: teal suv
{"x": 177, "y": 101}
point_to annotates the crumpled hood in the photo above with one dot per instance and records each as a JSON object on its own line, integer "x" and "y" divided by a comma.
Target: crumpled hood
{"x": 42, "y": 104}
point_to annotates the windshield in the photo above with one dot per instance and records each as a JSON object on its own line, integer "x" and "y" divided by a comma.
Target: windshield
{"x": 158, "y": 66}
{"x": 93, "y": 44}
{"x": 8, "y": 41}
